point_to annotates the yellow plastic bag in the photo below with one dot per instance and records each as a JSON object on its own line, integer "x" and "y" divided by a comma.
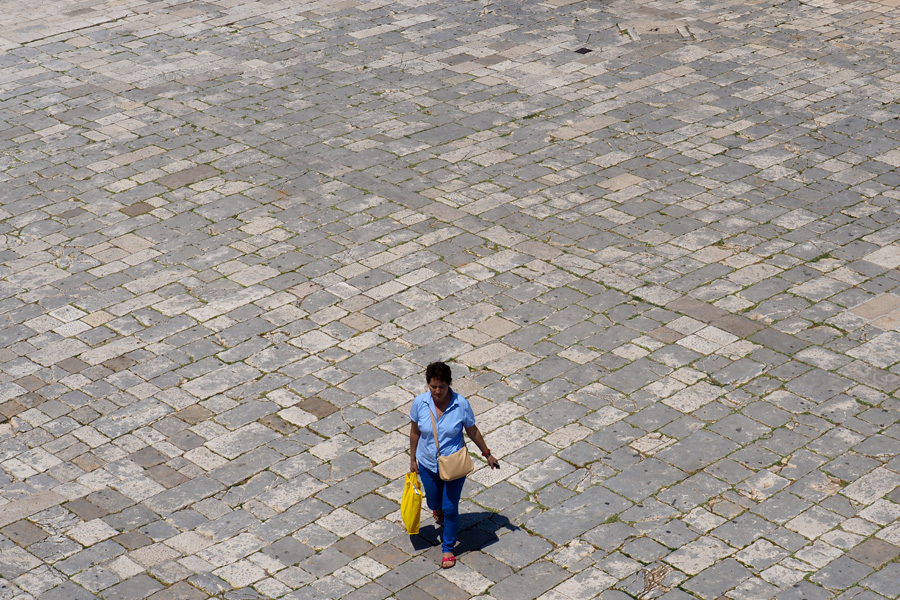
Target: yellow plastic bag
{"x": 411, "y": 505}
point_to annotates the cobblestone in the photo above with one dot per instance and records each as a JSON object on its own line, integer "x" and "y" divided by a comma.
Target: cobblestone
{"x": 657, "y": 243}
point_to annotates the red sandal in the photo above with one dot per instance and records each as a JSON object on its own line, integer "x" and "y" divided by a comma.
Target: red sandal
{"x": 447, "y": 562}
{"x": 438, "y": 516}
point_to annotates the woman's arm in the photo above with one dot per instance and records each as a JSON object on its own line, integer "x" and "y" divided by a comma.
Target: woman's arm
{"x": 475, "y": 435}
{"x": 414, "y": 435}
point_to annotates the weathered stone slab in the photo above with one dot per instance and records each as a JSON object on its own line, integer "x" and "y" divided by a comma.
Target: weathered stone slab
{"x": 577, "y": 515}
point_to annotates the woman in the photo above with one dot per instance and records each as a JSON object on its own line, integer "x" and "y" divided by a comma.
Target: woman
{"x": 452, "y": 414}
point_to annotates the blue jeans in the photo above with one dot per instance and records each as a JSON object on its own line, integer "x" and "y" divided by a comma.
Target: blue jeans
{"x": 443, "y": 495}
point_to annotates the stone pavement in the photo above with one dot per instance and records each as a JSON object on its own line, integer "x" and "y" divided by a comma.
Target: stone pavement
{"x": 657, "y": 241}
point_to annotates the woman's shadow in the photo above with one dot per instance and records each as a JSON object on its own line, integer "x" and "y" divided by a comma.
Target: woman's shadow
{"x": 477, "y": 531}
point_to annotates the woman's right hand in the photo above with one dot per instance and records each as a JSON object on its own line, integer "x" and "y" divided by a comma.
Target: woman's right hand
{"x": 413, "y": 466}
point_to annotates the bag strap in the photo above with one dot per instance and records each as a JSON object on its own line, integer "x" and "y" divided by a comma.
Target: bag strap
{"x": 434, "y": 430}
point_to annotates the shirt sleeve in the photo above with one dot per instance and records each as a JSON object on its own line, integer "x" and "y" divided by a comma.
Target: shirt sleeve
{"x": 468, "y": 415}
{"x": 414, "y": 411}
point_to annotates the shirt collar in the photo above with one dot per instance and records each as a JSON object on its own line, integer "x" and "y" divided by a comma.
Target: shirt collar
{"x": 453, "y": 396}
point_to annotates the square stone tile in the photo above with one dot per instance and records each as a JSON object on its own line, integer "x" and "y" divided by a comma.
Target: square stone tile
{"x": 874, "y": 553}
{"x": 24, "y": 533}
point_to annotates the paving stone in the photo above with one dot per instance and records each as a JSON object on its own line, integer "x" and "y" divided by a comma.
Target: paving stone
{"x": 518, "y": 549}
{"x": 405, "y": 574}
{"x": 718, "y": 579}
{"x": 530, "y": 582}
{"x": 841, "y": 573}
{"x": 556, "y": 415}
{"x": 804, "y": 589}
{"x": 220, "y": 296}
{"x": 642, "y": 479}
{"x": 884, "y": 580}
{"x": 24, "y": 533}
{"x": 778, "y": 341}
{"x": 245, "y": 466}
{"x": 581, "y": 454}
{"x": 288, "y": 551}
{"x": 577, "y": 515}
{"x": 180, "y": 590}
{"x": 351, "y": 489}
{"x": 370, "y": 591}
{"x": 209, "y": 583}
{"x": 140, "y": 586}
{"x": 874, "y": 553}
{"x": 818, "y": 385}
{"x": 70, "y": 591}
{"x": 183, "y": 495}
{"x": 353, "y": 546}
{"x": 697, "y": 450}
{"x": 133, "y": 540}
{"x": 486, "y": 566}
{"x": 635, "y": 375}
{"x": 499, "y": 496}
{"x": 439, "y": 587}
{"x": 131, "y": 518}
{"x": 373, "y": 507}
{"x": 856, "y": 592}
{"x": 540, "y": 474}
{"x": 644, "y": 550}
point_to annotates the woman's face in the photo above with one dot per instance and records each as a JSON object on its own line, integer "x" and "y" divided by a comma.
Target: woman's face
{"x": 440, "y": 390}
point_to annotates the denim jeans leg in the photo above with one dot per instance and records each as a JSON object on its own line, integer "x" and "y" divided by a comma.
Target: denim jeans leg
{"x": 443, "y": 495}
{"x": 451, "y": 495}
{"x": 434, "y": 488}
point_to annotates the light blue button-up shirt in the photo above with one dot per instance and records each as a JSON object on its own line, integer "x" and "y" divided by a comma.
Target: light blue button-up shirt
{"x": 450, "y": 427}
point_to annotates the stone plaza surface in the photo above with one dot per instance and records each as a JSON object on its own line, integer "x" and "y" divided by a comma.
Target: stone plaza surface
{"x": 658, "y": 242}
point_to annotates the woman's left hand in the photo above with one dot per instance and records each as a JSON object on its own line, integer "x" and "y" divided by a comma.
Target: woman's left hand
{"x": 476, "y": 437}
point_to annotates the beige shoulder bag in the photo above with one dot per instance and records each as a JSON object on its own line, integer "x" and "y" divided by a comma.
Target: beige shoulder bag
{"x": 458, "y": 464}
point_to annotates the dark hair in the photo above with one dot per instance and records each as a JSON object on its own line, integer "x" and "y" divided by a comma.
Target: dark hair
{"x": 439, "y": 371}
